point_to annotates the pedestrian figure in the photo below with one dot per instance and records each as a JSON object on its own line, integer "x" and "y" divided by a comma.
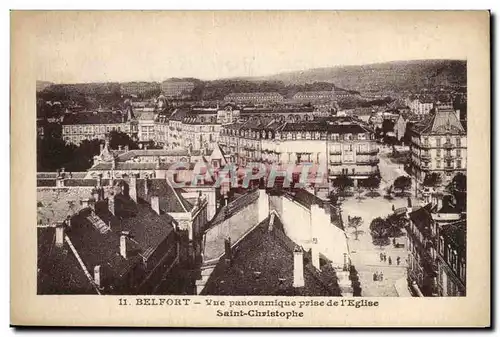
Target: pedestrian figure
{"x": 381, "y": 276}
{"x": 398, "y": 260}
{"x": 375, "y": 276}
{"x": 393, "y": 241}
{"x": 381, "y": 257}
{"x": 390, "y": 261}
{"x": 385, "y": 257}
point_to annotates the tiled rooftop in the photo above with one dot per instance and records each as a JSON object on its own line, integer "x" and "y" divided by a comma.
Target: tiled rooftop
{"x": 262, "y": 264}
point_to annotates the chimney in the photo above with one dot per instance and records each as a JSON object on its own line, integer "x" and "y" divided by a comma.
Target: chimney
{"x": 271, "y": 222}
{"x": 155, "y": 204}
{"x": 91, "y": 202}
{"x": 119, "y": 147}
{"x": 133, "y": 187}
{"x": 146, "y": 187}
{"x": 97, "y": 276}
{"x": 68, "y": 221}
{"x": 439, "y": 202}
{"x": 126, "y": 148}
{"x": 85, "y": 203}
{"x": 298, "y": 267}
{"x": 59, "y": 234}
{"x": 315, "y": 254}
{"x": 60, "y": 182}
{"x": 111, "y": 203}
{"x": 123, "y": 244}
{"x": 227, "y": 249}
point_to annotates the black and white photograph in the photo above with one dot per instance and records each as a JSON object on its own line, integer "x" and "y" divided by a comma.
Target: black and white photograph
{"x": 239, "y": 154}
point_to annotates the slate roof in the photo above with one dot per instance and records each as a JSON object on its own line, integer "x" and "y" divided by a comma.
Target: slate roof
{"x": 323, "y": 126}
{"x": 147, "y": 230}
{"x": 58, "y": 271}
{"x": 169, "y": 199}
{"x": 151, "y": 153}
{"x": 106, "y": 166}
{"x": 422, "y": 218}
{"x": 179, "y": 114}
{"x": 89, "y": 117}
{"x": 440, "y": 122}
{"x": 270, "y": 253}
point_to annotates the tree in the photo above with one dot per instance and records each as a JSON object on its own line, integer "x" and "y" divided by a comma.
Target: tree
{"x": 372, "y": 183}
{"x": 84, "y": 154}
{"x": 334, "y": 198}
{"x": 342, "y": 183}
{"x": 53, "y": 153}
{"x": 396, "y": 223}
{"x": 459, "y": 182}
{"x": 458, "y": 188}
{"x": 355, "y": 222}
{"x": 118, "y": 138}
{"x": 379, "y": 229}
{"x": 402, "y": 183}
{"x": 387, "y": 126}
{"x": 432, "y": 179}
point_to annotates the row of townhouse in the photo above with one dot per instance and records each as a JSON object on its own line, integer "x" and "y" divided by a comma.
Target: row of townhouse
{"x": 340, "y": 146}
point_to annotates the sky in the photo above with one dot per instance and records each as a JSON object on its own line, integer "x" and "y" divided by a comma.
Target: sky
{"x": 75, "y": 47}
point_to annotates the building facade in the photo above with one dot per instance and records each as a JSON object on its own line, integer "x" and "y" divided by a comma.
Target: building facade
{"x": 146, "y": 127}
{"x": 422, "y": 265}
{"x": 254, "y": 97}
{"x": 314, "y": 96}
{"x": 342, "y": 146}
{"x": 420, "y": 107}
{"x": 177, "y": 89}
{"x": 452, "y": 259}
{"x": 438, "y": 144}
{"x": 139, "y": 88}
{"x": 97, "y": 124}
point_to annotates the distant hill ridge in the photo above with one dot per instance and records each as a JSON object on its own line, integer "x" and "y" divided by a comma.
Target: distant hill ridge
{"x": 387, "y": 76}
{"x": 395, "y": 75}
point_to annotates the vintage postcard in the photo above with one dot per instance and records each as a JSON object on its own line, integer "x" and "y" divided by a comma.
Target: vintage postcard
{"x": 250, "y": 168}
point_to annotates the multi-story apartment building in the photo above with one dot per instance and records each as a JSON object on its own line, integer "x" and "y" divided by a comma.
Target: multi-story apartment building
{"x": 139, "y": 88}
{"x": 199, "y": 132}
{"x": 146, "y": 127}
{"x": 254, "y": 97}
{"x": 96, "y": 124}
{"x": 161, "y": 126}
{"x": 342, "y": 146}
{"x": 422, "y": 266}
{"x": 229, "y": 114}
{"x": 177, "y": 89}
{"x": 193, "y": 129}
{"x": 420, "y": 107}
{"x": 175, "y": 137}
{"x": 438, "y": 144}
{"x": 314, "y": 96}
{"x": 452, "y": 259}
{"x": 291, "y": 113}
{"x": 437, "y": 248}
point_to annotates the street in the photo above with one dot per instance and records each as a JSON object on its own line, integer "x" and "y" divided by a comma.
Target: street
{"x": 365, "y": 256}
